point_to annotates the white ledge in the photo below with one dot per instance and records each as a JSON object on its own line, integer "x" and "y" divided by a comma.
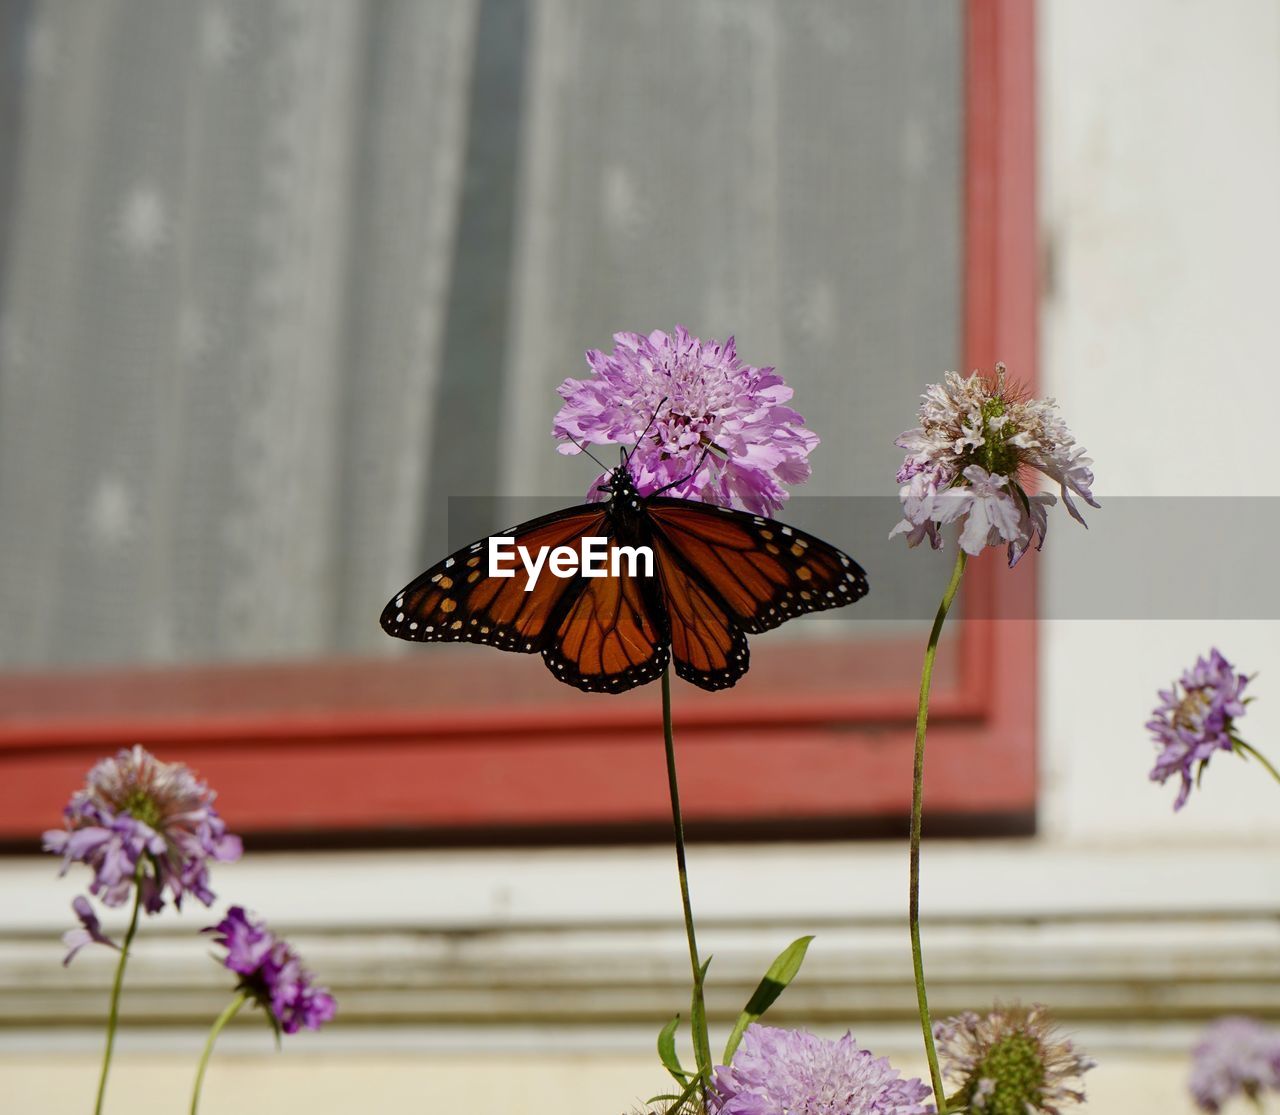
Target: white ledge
{"x": 592, "y": 937}
{"x": 808, "y": 883}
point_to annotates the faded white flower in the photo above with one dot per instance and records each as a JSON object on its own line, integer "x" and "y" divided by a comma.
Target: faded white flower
{"x": 967, "y": 462}
{"x": 1010, "y": 1061}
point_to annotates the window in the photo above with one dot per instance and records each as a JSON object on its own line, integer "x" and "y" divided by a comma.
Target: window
{"x": 278, "y": 282}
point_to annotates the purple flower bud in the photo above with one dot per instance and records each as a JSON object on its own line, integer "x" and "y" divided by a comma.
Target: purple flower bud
{"x": 271, "y": 971}
{"x": 1195, "y": 719}
{"x": 1234, "y": 1056}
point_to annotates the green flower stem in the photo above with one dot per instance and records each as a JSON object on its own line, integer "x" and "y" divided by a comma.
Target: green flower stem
{"x": 113, "y": 1016}
{"x": 1248, "y": 750}
{"x": 226, "y": 1016}
{"x": 917, "y": 803}
{"x": 701, "y": 1038}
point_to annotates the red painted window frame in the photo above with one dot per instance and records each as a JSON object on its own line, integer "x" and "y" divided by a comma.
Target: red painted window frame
{"x": 407, "y": 748}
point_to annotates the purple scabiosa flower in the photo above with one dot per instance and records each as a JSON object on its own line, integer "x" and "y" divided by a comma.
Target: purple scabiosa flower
{"x": 696, "y": 413}
{"x": 271, "y": 972}
{"x": 135, "y": 815}
{"x": 968, "y": 463}
{"x": 778, "y": 1070}
{"x": 1196, "y": 717}
{"x": 90, "y": 930}
{"x": 1234, "y": 1056}
{"x": 1010, "y": 1061}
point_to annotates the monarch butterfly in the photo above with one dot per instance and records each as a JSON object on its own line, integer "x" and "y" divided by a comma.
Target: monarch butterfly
{"x": 719, "y": 575}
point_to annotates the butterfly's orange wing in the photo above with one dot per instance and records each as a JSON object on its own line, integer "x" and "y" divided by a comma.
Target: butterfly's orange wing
{"x": 708, "y": 646}
{"x": 761, "y": 571}
{"x": 610, "y": 635}
{"x": 457, "y": 600}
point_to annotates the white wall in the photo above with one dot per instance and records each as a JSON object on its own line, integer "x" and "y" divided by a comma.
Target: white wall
{"x": 1160, "y": 134}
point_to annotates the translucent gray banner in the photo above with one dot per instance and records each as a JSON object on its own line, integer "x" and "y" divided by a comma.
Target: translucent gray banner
{"x": 1140, "y": 558}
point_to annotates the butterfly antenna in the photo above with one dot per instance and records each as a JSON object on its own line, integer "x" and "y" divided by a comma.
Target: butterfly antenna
{"x": 657, "y": 410}
{"x": 696, "y": 469}
{"x": 583, "y": 449}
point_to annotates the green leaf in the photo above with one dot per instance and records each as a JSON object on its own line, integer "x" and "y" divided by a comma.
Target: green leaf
{"x": 698, "y": 1023}
{"x": 680, "y": 1100}
{"x": 781, "y": 972}
{"x": 667, "y": 1052}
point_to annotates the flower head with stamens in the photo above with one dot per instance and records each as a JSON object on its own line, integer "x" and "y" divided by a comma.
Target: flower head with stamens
{"x": 705, "y": 425}
{"x": 271, "y": 973}
{"x": 1196, "y": 717}
{"x": 1010, "y": 1061}
{"x": 140, "y": 820}
{"x": 969, "y": 460}
{"x": 1234, "y": 1056}
{"x": 778, "y": 1070}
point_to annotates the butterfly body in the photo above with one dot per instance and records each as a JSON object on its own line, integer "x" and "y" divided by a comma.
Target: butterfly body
{"x": 718, "y": 575}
